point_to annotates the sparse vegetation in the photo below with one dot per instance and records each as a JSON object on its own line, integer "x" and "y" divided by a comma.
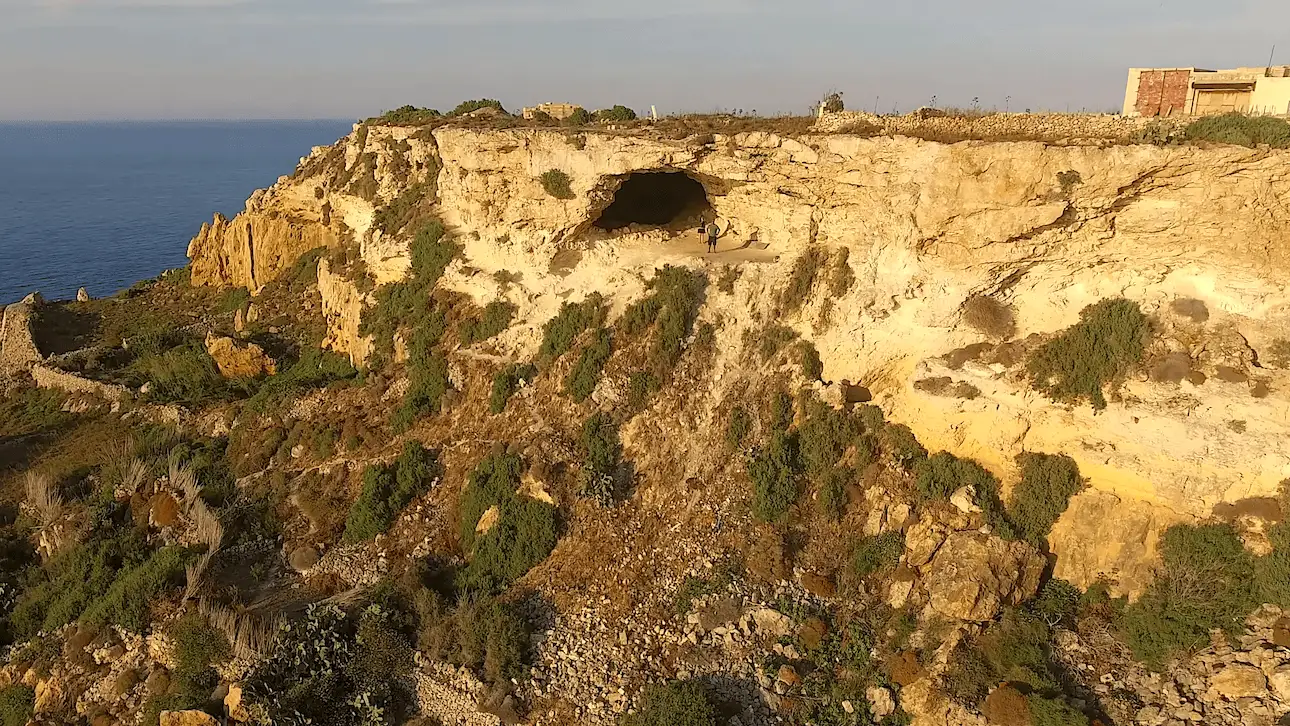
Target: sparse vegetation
{"x": 841, "y": 277}
{"x": 903, "y": 445}
{"x": 602, "y": 454}
{"x": 408, "y": 116}
{"x": 801, "y": 281}
{"x": 809, "y": 360}
{"x": 1241, "y": 130}
{"x": 679, "y": 703}
{"x": 16, "y": 704}
{"x": 523, "y": 533}
{"x": 506, "y": 382}
{"x": 402, "y": 305}
{"x": 315, "y": 368}
{"x": 466, "y": 107}
{"x": 738, "y": 427}
{"x": 401, "y": 211}
{"x": 557, "y": 184}
{"x": 388, "y": 489}
{"x": 585, "y": 375}
{"x": 1081, "y": 361}
{"x": 495, "y": 318}
{"x": 670, "y": 309}
{"x": 560, "y": 332}
{"x": 990, "y": 317}
{"x": 876, "y": 554}
{"x": 773, "y": 340}
{"x": 616, "y": 114}
{"x": 1048, "y": 481}
{"x": 774, "y": 470}
{"x": 941, "y": 474}
{"x": 198, "y": 647}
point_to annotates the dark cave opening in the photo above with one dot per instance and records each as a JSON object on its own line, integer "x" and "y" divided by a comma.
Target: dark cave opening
{"x": 655, "y": 199}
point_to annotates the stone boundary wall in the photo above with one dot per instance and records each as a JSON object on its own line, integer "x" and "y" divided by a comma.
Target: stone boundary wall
{"x": 47, "y": 377}
{"x": 1072, "y": 127}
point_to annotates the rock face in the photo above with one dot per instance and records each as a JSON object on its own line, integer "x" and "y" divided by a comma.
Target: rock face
{"x": 18, "y": 350}
{"x": 973, "y": 576}
{"x": 187, "y": 718}
{"x": 1043, "y": 229}
{"x": 239, "y": 360}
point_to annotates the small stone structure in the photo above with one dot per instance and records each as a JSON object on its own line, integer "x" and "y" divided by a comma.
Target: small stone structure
{"x": 18, "y": 351}
{"x": 557, "y": 111}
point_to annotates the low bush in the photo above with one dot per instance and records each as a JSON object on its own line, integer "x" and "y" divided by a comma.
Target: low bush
{"x": 1056, "y": 603}
{"x": 585, "y": 374}
{"x": 579, "y": 117}
{"x": 774, "y": 470}
{"x": 557, "y": 183}
{"x": 903, "y": 445}
{"x": 616, "y": 114}
{"x": 1205, "y": 582}
{"x": 878, "y": 553}
{"x": 679, "y": 703}
{"x": 32, "y": 410}
{"x": 989, "y": 316}
{"x": 1048, "y": 481}
{"x": 801, "y": 282}
{"x": 560, "y": 332}
{"x": 16, "y": 704}
{"x": 427, "y": 377}
{"x": 304, "y": 271}
{"x": 332, "y": 670}
{"x": 401, "y": 210}
{"x": 405, "y": 304}
{"x": 525, "y": 532}
{"x": 506, "y": 382}
{"x": 641, "y": 386}
{"x": 485, "y": 634}
{"x": 833, "y": 492}
{"x": 1108, "y": 340}
{"x": 781, "y": 411}
{"x": 315, "y": 368}
{"x": 198, "y": 647}
{"x": 126, "y": 601}
{"x": 738, "y": 426}
{"x": 673, "y": 304}
{"x": 941, "y": 474}
{"x": 466, "y": 107}
{"x": 1015, "y": 649}
{"x": 602, "y": 451}
{"x": 809, "y": 360}
{"x": 495, "y": 318}
{"x": 408, "y": 116}
{"x": 235, "y": 299}
{"x": 773, "y": 340}
{"x": 1242, "y": 130}
{"x": 824, "y": 436}
{"x": 388, "y": 489}
{"x": 183, "y": 374}
{"x": 1053, "y": 712}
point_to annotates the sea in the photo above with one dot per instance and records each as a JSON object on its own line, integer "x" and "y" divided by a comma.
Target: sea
{"x": 103, "y": 205}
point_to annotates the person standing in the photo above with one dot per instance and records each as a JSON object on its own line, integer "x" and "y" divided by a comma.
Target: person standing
{"x": 713, "y": 232}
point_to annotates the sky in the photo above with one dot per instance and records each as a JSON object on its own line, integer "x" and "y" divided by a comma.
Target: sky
{"x": 349, "y": 59}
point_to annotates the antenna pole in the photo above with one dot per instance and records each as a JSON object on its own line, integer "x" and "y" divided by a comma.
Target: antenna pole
{"x": 1268, "y": 72}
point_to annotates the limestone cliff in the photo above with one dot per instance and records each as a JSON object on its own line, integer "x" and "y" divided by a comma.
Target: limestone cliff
{"x": 1044, "y": 229}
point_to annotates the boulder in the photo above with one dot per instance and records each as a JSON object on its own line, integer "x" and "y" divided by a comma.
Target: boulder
{"x": 922, "y": 540}
{"x": 82, "y": 295}
{"x": 488, "y": 520}
{"x": 239, "y": 361}
{"x": 233, "y": 704}
{"x": 772, "y": 622}
{"x": 964, "y": 500}
{"x": 187, "y": 718}
{"x": 1238, "y": 681}
{"x": 974, "y": 576}
{"x": 881, "y": 702}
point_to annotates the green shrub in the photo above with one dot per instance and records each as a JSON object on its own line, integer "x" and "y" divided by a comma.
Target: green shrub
{"x": 602, "y": 450}
{"x": 781, "y": 411}
{"x": 903, "y": 445}
{"x": 641, "y": 385}
{"x": 560, "y": 332}
{"x": 185, "y": 374}
{"x": 802, "y": 280}
{"x": 506, "y": 382}
{"x": 1056, "y": 603}
{"x": 679, "y": 703}
{"x": 198, "y": 647}
{"x": 235, "y": 299}
{"x": 495, "y": 318}
{"x": 676, "y": 294}
{"x": 427, "y": 378}
{"x": 125, "y": 603}
{"x": 16, "y": 704}
{"x": 1048, "y": 481}
{"x": 738, "y": 427}
{"x": 809, "y": 360}
{"x": 492, "y": 482}
{"x": 878, "y": 553}
{"x": 557, "y": 183}
{"x": 1107, "y": 341}
{"x": 774, "y": 472}
{"x": 773, "y": 340}
{"x": 1272, "y": 573}
{"x": 315, "y": 368}
{"x": 407, "y": 303}
{"x": 401, "y": 210}
{"x": 584, "y": 376}
{"x": 382, "y": 654}
{"x": 1206, "y": 582}
{"x": 408, "y": 116}
{"x": 1014, "y": 649}
{"x": 943, "y": 473}
{"x": 833, "y": 492}
{"x": 304, "y": 271}
{"x": 824, "y": 437}
{"x": 388, "y": 489}
{"x": 466, "y": 107}
{"x": 485, "y": 634}
{"x": 1242, "y": 130}
{"x": 1053, "y": 712}
{"x": 32, "y": 410}
{"x": 525, "y": 533}
{"x": 617, "y": 114}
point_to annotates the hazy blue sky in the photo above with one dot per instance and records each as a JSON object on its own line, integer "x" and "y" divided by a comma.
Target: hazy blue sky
{"x": 113, "y": 59}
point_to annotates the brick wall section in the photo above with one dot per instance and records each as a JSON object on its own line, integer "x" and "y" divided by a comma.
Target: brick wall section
{"x": 1162, "y": 93}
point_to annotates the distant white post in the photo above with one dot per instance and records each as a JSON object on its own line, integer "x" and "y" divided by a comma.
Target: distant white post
{"x": 653, "y": 112}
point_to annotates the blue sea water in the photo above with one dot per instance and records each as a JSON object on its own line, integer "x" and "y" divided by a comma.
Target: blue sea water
{"x": 103, "y": 205}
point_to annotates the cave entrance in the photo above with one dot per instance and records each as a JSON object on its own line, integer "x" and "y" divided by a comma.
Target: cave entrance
{"x": 669, "y": 199}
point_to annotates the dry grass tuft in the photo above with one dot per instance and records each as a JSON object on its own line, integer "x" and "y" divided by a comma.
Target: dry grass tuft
{"x": 251, "y": 635}
{"x": 43, "y": 498}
